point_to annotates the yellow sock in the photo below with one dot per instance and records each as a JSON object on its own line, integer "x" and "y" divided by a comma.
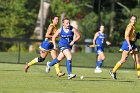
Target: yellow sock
{"x": 32, "y": 62}
{"x": 57, "y": 68}
{"x": 116, "y": 67}
{"x": 138, "y": 69}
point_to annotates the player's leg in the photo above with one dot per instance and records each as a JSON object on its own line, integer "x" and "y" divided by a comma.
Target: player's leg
{"x": 100, "y": 58}
{"x": 99, "y": 62}
{"x": 57, "y": 66}
{"x": 97, "y": 68}
{"x": 54, "y": 61}
{"x": 135, "y": 64}
{"x": 36, "y": 60}
{"x": 119, "y": 64}
{"x": 135, "y": 56}
{"x": 136, "y": 59}
{"x": 125, "y": 53}
{"x": 68, "y": 55}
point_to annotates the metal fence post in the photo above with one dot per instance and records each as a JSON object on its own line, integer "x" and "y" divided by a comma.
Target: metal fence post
{"x": 19, "y": 52}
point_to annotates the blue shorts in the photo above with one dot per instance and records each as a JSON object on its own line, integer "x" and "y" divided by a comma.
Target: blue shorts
{"x": 46, "y": 45}
{"x": 125, "y": 46}
{"x": 99, "y": 49}
{"x": 62, "y": 48}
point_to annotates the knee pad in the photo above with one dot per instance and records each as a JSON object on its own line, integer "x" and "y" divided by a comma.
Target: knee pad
{"x": 40, "y": 59}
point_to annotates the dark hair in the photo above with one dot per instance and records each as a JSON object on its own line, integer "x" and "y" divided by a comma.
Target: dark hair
{"x": 65, "y": 18}
{"x": 53, "y": 17}
{"x": 101, "y": 25}
{"x": 133, "y": 16}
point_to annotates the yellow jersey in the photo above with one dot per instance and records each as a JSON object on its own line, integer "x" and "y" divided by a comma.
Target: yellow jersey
{"x": 53, "y": 32}
{"x": 54, "y": 29}
{"x": 132, "y": 32}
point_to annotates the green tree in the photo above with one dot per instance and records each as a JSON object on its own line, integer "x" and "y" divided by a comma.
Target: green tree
{"x": 73, "y": 9}
{"x": 17, "y": 20}
{"x": 88, "y": 25}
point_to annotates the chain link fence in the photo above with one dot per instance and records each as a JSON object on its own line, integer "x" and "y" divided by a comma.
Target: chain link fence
{"x": 21, "y": 51}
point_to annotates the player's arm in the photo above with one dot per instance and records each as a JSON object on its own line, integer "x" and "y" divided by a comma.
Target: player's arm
{"x": 77, "y": 36}
{"x": 107, "y": 42}
{"x": 54, "y": 37}
{"x": 49, "y": 31}
{"x": 127, "y": 34}
{"x": 95, "y": 37}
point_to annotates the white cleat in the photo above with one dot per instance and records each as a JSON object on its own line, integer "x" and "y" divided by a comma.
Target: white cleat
{"x": 70, "y": 76}
{"x": 113, "y": 75}
{"x": 48, "y": 67}
{"x": 98, "y": 70}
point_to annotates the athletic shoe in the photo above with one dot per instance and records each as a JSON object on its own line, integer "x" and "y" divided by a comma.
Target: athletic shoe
{"x": 97, "y": 70}
{"x": 48, "y": 67}
{"x": 60, "y": 74}
{"x": 138, "y": 77}
{"x": 113, "y": 75}
{"x": 70, "y": 76}
{"x": 26, "y": 68}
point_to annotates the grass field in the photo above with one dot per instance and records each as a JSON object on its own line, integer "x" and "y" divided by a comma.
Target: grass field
{"x": 14, "y": 80}
{"x": 79, "y": 59}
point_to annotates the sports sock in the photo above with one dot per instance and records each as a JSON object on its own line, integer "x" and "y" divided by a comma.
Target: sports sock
{"x": 54, "y": 62}
{"x": 34, "y": 61}
{"x": 100, "y": 63}
{"x": 116, "y": 67}
{"x": 138, "y": 69}
{"x": 57, "y": 68}
{"x": 97, "y": 64}
{"x": 69, "y": 67}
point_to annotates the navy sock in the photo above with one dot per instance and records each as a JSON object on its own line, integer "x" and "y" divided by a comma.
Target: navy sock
{"x": 100, "y": 63}
{"x": 69, "y": 67}
{"x": 54, "y": 62}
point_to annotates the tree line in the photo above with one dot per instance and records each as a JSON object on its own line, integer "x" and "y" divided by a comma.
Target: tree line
{"x": 18, "y": 17}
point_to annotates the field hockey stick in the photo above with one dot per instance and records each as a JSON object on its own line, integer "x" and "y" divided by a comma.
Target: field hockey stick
{"x": 42, "y": 50}
{"x": 136, "y": 37}
{"x": 92, "y": 46}
{"x": 130, "y": 51}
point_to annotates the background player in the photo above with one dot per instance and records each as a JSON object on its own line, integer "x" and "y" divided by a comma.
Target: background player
{"x": 128, "y": 46}
{"x": 66, "y": 42}
{"x": 98, "y": 41}
{"x": 47, "y": 46}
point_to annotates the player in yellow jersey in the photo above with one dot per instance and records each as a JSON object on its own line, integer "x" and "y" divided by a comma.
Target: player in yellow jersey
{"x": 46, "y": 47}
{"x": 128, "y": 46}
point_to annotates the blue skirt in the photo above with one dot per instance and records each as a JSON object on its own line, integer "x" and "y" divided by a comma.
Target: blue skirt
{"x": 46, "y": 45}
{"x": 125, "y": 46}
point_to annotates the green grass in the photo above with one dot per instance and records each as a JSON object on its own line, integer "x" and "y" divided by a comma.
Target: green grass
{"x": 14, "y": 80}
{"x": 79, "y": 59}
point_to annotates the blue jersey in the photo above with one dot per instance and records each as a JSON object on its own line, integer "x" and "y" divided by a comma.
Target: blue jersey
{"x": 66, "y": 38}
{"x": 100, "y": 39}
